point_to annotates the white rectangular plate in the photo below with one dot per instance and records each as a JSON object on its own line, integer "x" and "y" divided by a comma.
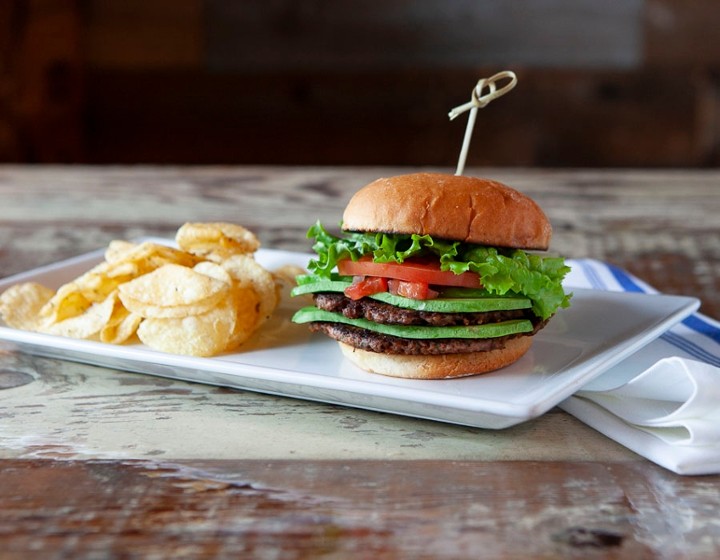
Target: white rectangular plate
{"x": 598, "y": 331}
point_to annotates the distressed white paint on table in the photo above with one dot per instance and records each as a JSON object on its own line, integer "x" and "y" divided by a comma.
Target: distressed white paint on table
{"x": 115, "y": 461}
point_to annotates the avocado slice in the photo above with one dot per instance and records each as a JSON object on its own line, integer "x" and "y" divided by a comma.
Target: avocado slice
{"x": 472, "y": 302}
{"x": 490, "y": 330}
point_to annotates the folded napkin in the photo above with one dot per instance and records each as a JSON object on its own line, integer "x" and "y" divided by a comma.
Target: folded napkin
{"x": 664, "y": 401}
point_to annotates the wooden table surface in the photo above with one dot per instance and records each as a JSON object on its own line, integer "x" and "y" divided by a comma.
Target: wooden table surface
{"x": 101, "y": 463}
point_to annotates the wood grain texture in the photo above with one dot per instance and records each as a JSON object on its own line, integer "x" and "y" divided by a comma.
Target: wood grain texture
{"x": 355, "y": 509}
{"x": 61, "y": 410}
{"x": 99, "y": 463}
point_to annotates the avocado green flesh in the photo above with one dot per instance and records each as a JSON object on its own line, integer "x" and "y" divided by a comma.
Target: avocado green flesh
{"x": 441, "y": 304}
{"x": 490, "y": 330}
{"x": 319, "y": 286}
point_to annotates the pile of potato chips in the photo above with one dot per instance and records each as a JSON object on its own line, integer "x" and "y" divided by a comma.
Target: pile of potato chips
{"x": 206, "y": 297}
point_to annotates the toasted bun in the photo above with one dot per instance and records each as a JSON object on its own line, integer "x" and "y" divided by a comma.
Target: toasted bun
{"x": 442, "y": 366}
{"x": 453, "y": 207}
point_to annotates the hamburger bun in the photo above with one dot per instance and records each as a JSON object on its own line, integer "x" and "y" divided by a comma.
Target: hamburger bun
{"x": 454, "y": 207}
{"x": 440, "y": 366}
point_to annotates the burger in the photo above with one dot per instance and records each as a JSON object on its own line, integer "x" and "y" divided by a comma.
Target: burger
{"x": 433, "y": 276}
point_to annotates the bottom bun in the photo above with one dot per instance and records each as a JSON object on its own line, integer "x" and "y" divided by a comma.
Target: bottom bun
{"x": 442, "y": 366}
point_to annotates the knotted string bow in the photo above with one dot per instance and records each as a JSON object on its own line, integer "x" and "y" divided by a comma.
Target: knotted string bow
{"x": 478, "y": 101}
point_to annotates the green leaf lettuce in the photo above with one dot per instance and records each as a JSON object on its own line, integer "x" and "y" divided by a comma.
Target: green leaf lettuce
{"x": 502, "y": 271}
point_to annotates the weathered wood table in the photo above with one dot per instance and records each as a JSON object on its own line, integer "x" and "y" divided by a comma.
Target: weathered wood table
{"x": 100, "y": 463}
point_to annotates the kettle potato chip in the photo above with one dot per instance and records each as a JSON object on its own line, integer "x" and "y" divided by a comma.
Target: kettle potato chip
{"x": 20, "y": 305}
{"x": 85, "y": 325}
{"x": 205, "y": 334}
{"x": 247, "y": 273}
{"x": 219, "y": 240}
{"x": 205, "y": 297}
{"x": 117, "y": 249}
{"x": 174, "y": 285}
{"x": 213, "y": 270}
{"x": 246, "y": 302}
{"x": 120, "y": 327}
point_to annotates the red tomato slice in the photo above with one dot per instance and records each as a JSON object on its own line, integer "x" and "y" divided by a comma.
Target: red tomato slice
{"x": 366, "y": 286}
{"x": 427, "y": 272}
{"x": 414, "y": 290}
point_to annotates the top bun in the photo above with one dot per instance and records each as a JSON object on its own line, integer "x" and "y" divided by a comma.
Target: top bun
{"x": 453, "y": 207}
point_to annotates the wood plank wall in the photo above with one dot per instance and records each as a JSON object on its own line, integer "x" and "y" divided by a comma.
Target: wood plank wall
{"x": 601, "y": 83}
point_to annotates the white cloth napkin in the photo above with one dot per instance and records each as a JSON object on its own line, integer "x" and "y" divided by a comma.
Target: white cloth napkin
{"x": 664, "y": 401}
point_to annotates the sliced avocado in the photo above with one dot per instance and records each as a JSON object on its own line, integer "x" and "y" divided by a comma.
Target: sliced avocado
{"x": 479, "y": 301}
{"x": 455, "y": 305}
{"x": 321, "y": 285}
{"x": 312, "y": 278}
{"x": 455, "y": 292}
{"x": 490, "y": 330}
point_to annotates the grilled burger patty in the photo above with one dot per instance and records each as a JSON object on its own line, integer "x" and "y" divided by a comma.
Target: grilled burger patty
{"x": 387, "y": 344}
{"x": 380, "y": 312}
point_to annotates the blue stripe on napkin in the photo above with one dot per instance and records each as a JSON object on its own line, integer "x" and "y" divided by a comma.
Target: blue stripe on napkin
{"x": 591, "y": 274}
{"x": 697, "y": 324}
{"x": 693, "y": 322}
{"x": 692, "y": 349}
{"x": 695, "y": 340}
{"x": 624, "y": 279}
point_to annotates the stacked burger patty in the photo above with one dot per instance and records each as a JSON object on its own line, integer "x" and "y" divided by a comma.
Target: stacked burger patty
{"x": 379, "y": 312}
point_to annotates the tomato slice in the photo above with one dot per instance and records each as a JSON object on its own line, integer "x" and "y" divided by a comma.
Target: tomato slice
{"x": 427, "y": 272}
{"x": 414, "y": 290}
{"x": 366, "y": 286}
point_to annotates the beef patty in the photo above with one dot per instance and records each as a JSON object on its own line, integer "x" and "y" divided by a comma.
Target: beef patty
{"x": 380, "y": 312}
{"x": 387, "y": 344}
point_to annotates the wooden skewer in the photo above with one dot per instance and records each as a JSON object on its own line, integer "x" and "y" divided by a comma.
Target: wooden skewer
{"x": 478, "y": 101}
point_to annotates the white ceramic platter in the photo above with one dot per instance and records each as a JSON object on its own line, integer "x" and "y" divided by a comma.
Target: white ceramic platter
{"x": 598, "y": 331}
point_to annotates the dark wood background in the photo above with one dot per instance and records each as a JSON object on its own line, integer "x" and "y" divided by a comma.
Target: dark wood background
{"x": 619, "y": 83}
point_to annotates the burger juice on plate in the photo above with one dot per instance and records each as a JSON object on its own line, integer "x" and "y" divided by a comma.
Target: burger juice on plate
{"x": 431, "y": 278}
